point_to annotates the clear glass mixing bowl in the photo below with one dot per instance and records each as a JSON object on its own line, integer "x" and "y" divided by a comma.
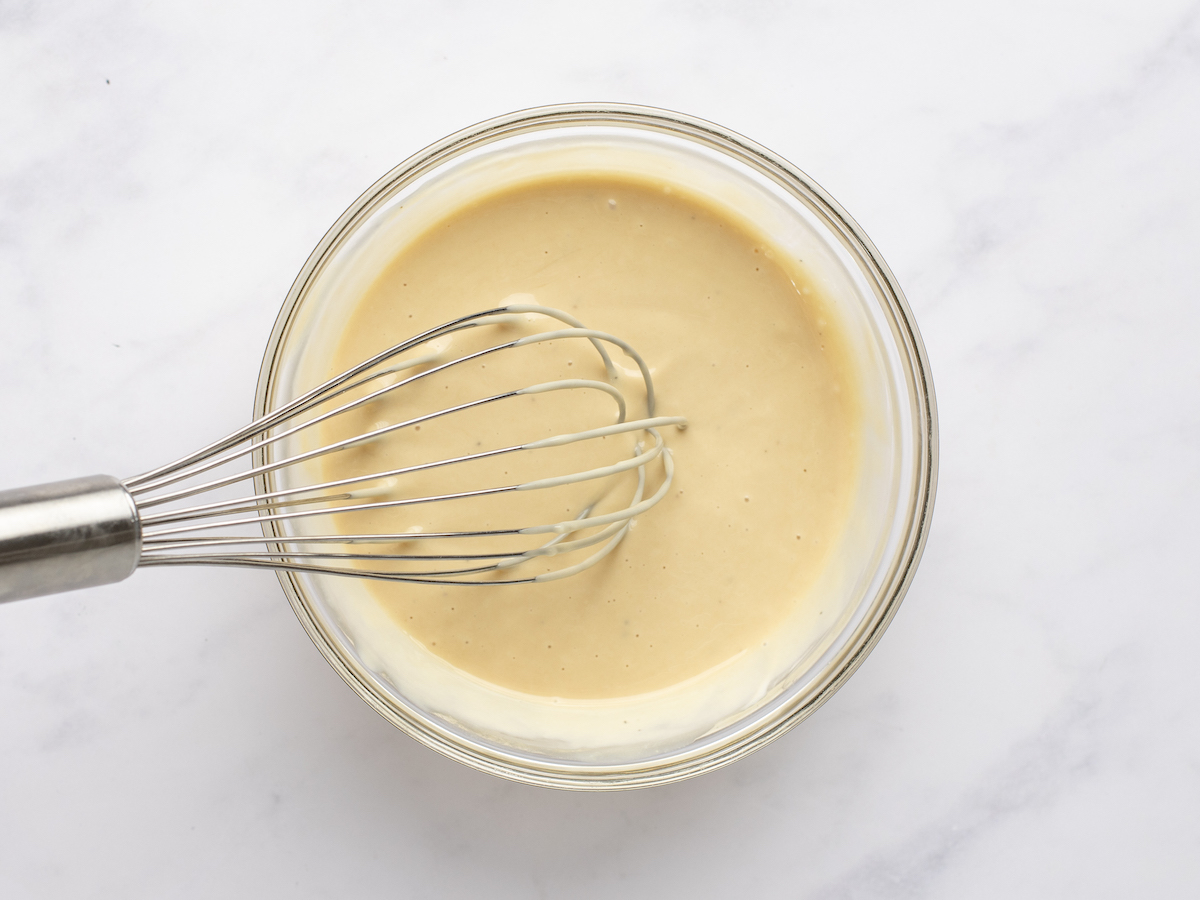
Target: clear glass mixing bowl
{"x": 887, "y": 532}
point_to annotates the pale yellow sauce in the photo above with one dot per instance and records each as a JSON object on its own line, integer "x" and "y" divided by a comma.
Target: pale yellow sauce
{"x": 740, "y": 341}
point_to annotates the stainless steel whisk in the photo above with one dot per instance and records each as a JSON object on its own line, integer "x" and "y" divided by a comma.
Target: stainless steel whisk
{"x": 97, "y": 530}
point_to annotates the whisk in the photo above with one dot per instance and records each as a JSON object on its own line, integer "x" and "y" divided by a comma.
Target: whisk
{"x": 97, "y": 530}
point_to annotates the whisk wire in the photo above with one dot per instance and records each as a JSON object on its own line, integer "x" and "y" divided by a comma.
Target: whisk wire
{"x": 173, "y": 536}
{"x": 337, "y": 385}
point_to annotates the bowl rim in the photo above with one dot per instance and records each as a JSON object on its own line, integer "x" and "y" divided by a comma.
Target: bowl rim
{"x": 684, "y": 764}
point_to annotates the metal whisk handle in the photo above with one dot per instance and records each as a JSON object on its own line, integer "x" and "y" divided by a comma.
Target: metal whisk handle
{"x": 66, "y": 535}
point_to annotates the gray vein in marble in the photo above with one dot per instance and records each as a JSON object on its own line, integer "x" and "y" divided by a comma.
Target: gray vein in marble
{"x": 1036, "y": 773}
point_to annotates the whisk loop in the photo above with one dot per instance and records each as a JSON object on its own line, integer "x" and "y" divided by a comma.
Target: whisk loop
{"x": 217, "y": 533}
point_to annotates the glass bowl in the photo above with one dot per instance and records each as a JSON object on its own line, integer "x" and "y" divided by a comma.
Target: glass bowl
{"x": 885, "y": 534}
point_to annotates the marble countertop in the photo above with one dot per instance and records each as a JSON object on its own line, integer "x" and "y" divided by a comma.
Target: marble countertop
{"x": 1027, "y": 727}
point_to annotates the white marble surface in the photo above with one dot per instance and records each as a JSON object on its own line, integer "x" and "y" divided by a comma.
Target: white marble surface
{"x": 1027, "y": 728}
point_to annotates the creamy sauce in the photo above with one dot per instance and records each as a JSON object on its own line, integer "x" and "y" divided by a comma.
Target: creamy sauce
{"x": 740, "y": 341}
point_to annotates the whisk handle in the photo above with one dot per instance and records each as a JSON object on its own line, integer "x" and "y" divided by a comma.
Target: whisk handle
{"x": 66, "y": 535}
